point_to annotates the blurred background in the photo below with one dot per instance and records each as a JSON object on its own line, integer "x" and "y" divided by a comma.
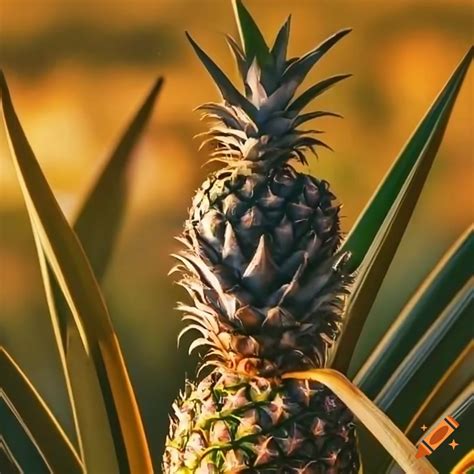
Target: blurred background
{"x": 77, "y": 71}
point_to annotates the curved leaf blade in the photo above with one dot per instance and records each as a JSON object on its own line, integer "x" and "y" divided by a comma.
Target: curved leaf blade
{"x": 105, "y": 203}
{"x": 439, "y": 288}
{"x": 393, "y": 440}
{"x": 375, "y": 237}
{"x": 79, "y": 285}
{"x": 35, "y": 418}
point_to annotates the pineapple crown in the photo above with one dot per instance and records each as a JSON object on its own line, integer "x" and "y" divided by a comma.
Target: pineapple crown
{"x": 261, "y": 126}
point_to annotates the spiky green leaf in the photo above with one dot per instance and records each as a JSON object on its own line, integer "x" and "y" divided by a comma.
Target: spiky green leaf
{"x": 424, "y": 141}
{"x": 297, "y": 70}
{"x": 226, "y": 88}
{"x": 375, "y": 237}
{"x": 306, "y": 97}
{"x": 252, "y": 39}
{"x": 280, "y": 47}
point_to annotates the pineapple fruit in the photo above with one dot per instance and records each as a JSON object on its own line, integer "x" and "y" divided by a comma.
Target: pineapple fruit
{"x": 267, "y": 282}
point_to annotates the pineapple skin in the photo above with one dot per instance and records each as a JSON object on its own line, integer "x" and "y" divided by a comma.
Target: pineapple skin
{"x": 235, "y": 423}
{"x": 270, "y": 240}
{"x": 266, "y": 279}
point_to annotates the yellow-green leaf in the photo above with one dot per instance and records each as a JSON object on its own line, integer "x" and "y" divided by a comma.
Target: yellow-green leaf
{"x": 384, "y": 430}
{"x": 78, "y": 283}
{"x": 105, "y": 203}
{"x": 35, "y": 418}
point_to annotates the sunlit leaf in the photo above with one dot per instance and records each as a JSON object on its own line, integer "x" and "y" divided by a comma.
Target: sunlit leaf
{"x": 78, "y": 283}
{"x": 26, "y": 418}
{"x": 384, "y": 430}
{"x": 434, "y": 294}
{"x": 105, "y": 203}
{"x": 100, "y": 216}
{"x": 375, "y": 237}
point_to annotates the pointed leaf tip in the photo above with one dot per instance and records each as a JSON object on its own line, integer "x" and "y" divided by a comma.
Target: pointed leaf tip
{"x": 375, "y": 237}
{"x": 297, "y": 70}
{"x": 252, "y": 39}
{"x": 227, "y": 89}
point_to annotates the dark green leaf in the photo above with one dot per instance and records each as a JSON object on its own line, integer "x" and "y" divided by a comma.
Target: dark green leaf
{"x": 416, "y": 378}
{"x": 424, "y": 141}
{"x": 8, "y": 462}
{"x": 18, "y": 451}
{"x": 418, "y": 374}
{"x": 306, "y": 97}
{"x": 375, "y": 238}
{"x": 447, "y": 390}
{"x": 239, "y": 57}
{"x": 297, "y": 70}
{"x": 227, "y": 89}
{"x": 280, "y": 48}
{"x": 439, "y": 288}
{"x": 252, "y": 38}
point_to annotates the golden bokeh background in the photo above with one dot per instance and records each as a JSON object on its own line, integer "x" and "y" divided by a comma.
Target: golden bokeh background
{"x": 77, "y": 70}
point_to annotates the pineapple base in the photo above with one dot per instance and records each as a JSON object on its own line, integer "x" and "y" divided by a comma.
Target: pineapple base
{"x": 235, "y": 423}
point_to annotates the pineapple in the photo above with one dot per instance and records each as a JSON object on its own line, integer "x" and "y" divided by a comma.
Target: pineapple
{"x": 267, "y": 282}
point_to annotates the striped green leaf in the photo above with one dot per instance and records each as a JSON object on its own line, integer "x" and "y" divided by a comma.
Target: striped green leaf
{"x": 31, "y": 434}
{"x": 435, "y": 293}
{"x": 375, "y": 237}
{"x": 79, "y": 285}
{"x": 431, "y": 358}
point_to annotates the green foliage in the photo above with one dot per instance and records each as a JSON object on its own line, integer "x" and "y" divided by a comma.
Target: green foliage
{"x": 376, "y": 236}
{"x": 61, "y": 253}
{"x": 428, "y": 339}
